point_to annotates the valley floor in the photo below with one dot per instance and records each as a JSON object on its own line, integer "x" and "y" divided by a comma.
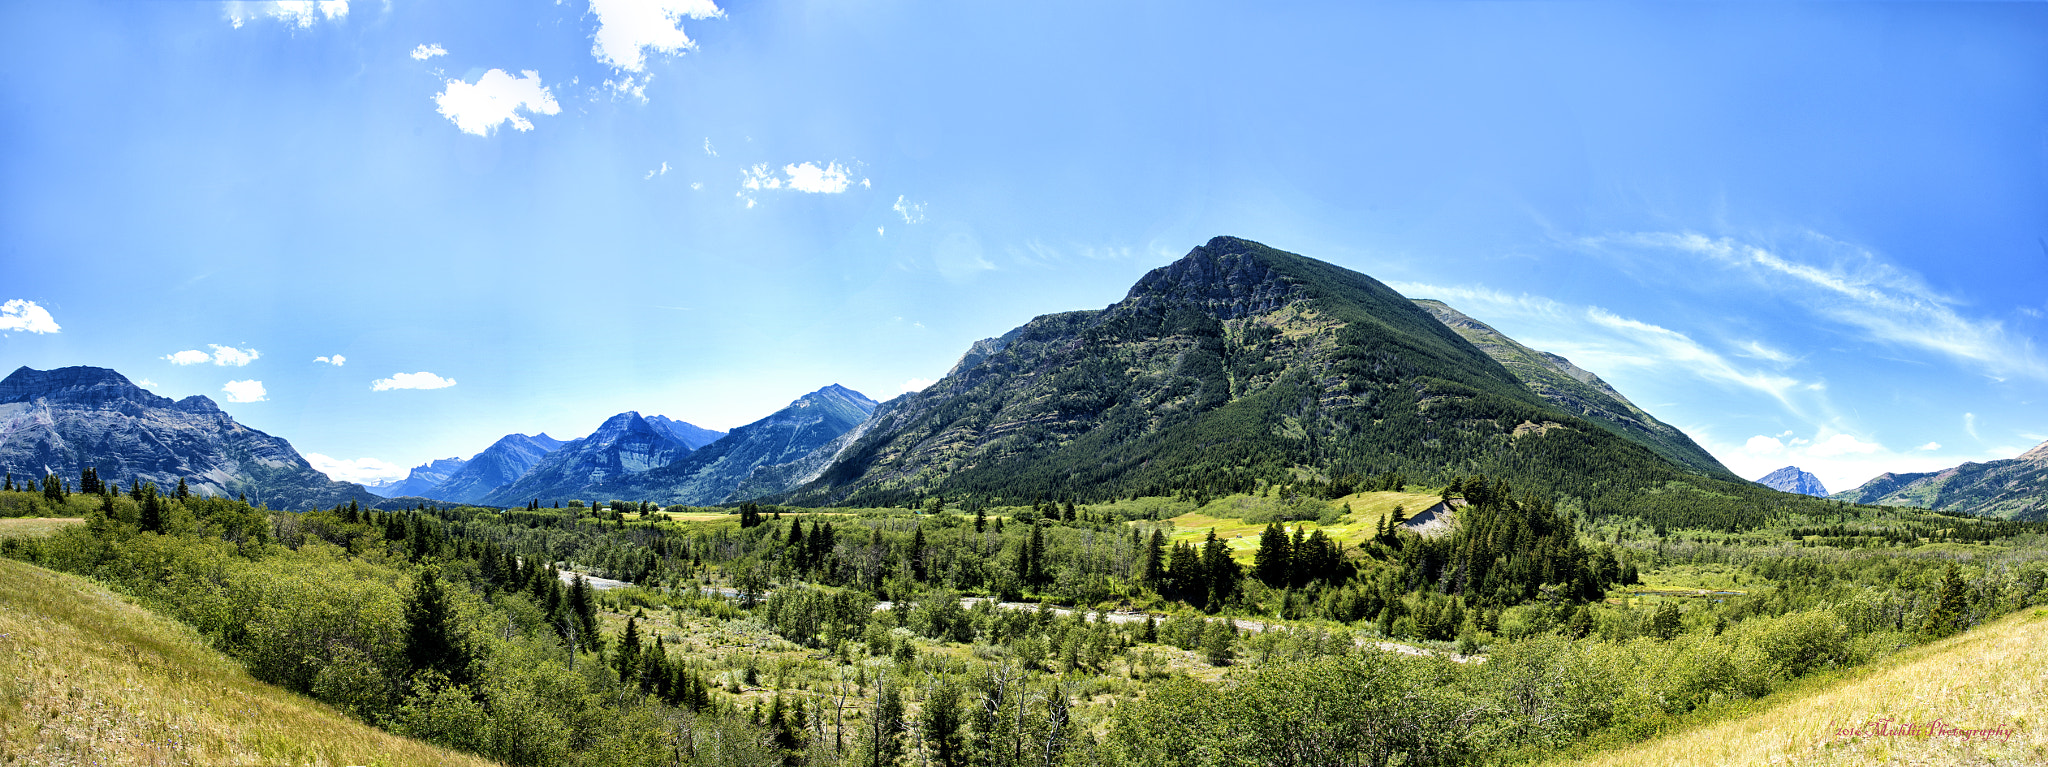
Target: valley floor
{"x": 1978, "y": 698}
{"x": 89, "y": 678}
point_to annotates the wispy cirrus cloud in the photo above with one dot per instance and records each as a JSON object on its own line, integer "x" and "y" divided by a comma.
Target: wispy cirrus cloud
{"x": 296, "y": 13}
{"x": 1860, "y": 290}
{"x": 420, "y": 380}
{"x": 495, "y": 99}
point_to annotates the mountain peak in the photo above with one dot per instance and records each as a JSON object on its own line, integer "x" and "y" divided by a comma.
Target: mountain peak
{"x": 1229, "y": 277}
{"x": 1792, "y": 479}
{"x": 76, "y": 385}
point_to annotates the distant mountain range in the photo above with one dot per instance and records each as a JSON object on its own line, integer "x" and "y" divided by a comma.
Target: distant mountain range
{"x": 712, "y": 474}
{"x": 421, "y": 480}
{"x": 1792, "y": 479}
{"x": 62, "y": 421}
{"x": 2013, "y": 488}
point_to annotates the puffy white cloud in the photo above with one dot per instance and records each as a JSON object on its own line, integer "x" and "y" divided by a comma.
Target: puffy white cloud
{"x": 495, "y": 98}
{"x": 627, "y": 29}
{"x": 244, "y": 391}
{"x": 878, "y": 232}
{"x": 227, "y": 356}
{"x": 696, "y": 185}
{"x": 912, "y": 212}
{"x": 1762, "y": 445}
{"x": 26, "y": 316}
{"x": 420, "y": 380}
{"x": 224, "y": 356}
{"x": 336, "y": 360}
{"x": 297, "y": 13}
{"x": 916, "y": 384}
{"x": 365, "y": 471}
{"x": 426, "y": 51}
{"x": 1929, "y": 446}
{"x": 146, "y": 383}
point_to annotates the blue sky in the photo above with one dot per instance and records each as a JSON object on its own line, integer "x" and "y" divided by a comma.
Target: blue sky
{"x": 1807, "y": 234}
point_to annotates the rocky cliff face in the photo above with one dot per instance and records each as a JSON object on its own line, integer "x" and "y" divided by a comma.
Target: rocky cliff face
{"x": 2013, "y": 488}
{"x": 501, "y": 464}
{"x": 1792, "y": 479}
{"x": 1578, "y": 391}
{"x": 624, "y": 444}
{"x": 715, "y": 472}
{"x": 421, "y": 480}
{"x": 66, "y": 419}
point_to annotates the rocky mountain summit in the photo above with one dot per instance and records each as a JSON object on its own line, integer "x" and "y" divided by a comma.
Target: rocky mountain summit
{"x": 61, "y": 421}
{"x": 2012, "y": 488}
{"x": 714, "y": 473}
{"x": 421, "y": 480}
{"x": 1792, "y": 479}
{"x": 624, "y": 444}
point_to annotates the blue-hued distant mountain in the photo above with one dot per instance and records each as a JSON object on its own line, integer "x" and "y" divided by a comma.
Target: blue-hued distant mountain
{"x": 501, "y": 464}
{"x": 422, "y": 480}
{"x": 2009, "y": 488}
{"x": 624, "y": 444}
{"x": 61, "y": 421}
{"x": 1792, "y": 479}
{"x": 712, "y": 474}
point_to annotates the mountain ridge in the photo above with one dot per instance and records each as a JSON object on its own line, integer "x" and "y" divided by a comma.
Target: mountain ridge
{"x": 2015, "y": 488}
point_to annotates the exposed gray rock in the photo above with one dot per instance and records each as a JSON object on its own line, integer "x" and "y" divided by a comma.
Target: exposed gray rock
{"x": 61, "y": 421}
{"x": 1792, "y": 479}
{"x": 715, "y": 472}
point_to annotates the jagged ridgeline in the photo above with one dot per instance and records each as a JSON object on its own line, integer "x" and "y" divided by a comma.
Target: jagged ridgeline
{"x": 1235, "y": 365}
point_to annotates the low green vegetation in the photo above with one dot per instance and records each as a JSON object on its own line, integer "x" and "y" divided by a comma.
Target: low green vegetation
{"x": 1146, "y": 631}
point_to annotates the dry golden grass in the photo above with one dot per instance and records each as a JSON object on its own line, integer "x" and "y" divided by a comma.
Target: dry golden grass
{"x": 88, "y": 678}
{"x": 34, "y": 527}
{"x": 1992, "y": 678}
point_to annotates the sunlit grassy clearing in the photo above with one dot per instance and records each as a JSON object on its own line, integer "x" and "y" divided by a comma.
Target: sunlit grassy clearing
{"x": 1995, "y": 676}
{"x": 87, "y": 678}
{"x": 1224, "y": 515}
{"x": 34, "y": 527}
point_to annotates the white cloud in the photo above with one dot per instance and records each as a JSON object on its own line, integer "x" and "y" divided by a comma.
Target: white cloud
{"x": 707, "y": 147}
{"x": 420, "y": 380}
{"x": 297, "y": 13}
{"x": 495, "y": 98}
{"x": 244, "y": 391}
{"x": 146, "y": 383}
{"x": 878, "y": 232}
{"x": 1842, "y": 444}
{"x": 661, "y": 171}
{"x": 26, "y": 316}
{"x": 426, "y": 51}
{"x": 224, "y": 356}
{"x": 912, "y": 212}
{"x": 336, "y": 360}
{"x": 696, "y": 185}
{"x": 1860, "y": 290}
{"x": 1762, "y": 445}
{"x": 1757, "y": 350}
{"x": 800, "y": 177}
{"x": 627, "y": 29}
{"x": 1929, "y": 446}
{"x": 916, "y": 384}
{"x": 364, "y": 471}
{"x": 1970, "y": 425}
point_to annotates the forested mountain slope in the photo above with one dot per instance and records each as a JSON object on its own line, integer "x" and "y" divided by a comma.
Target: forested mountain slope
{"x": 62, "y": 421}
{"x": 1234, "y": 365}
{"x": 1578, "y": 391}
{"x": 2015, "y": 488}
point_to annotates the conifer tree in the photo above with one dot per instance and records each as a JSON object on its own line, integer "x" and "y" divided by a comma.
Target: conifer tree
{"x": 430, "y": 641}
{"x": 940, "y": 720}
{"x": 1270, "y": 563}
{"x": 881, "y": 738}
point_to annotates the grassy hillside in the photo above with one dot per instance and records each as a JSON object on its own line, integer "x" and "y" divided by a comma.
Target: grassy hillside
{"x": 88, "y": 678}
{"x": 1990, "y": 678}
